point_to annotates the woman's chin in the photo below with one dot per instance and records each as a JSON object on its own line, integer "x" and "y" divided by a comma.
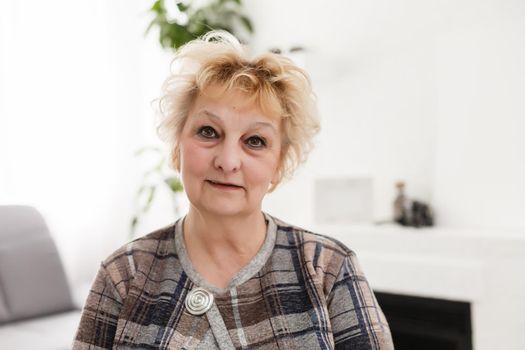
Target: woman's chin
{"x": 225, "y": 209}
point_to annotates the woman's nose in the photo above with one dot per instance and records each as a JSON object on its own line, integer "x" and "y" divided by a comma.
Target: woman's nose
{"x": 228, "y": 157}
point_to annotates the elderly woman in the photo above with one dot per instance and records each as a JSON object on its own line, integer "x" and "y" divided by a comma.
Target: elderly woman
{"x": 227, "y": 275}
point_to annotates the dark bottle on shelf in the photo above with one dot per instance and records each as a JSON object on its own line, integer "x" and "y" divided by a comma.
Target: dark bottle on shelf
{"x": 401, "y": 212}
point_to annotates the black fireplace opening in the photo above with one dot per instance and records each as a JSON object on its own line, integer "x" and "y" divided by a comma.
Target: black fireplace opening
{"x": 419, "y": 323}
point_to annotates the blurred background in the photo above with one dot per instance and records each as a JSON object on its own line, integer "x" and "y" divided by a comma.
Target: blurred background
{"x": 430, "y": 93}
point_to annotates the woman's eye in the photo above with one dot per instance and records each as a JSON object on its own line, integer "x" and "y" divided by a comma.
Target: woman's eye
{"x": 207, "y": 132}
{"x": 256, "y": 142}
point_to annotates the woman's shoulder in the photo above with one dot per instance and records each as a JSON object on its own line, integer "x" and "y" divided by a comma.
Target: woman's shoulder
{"x": 140, "y": 254}
{"x": 321, "y": 255}
{"x": 158, "y": 242}
{"x": 304, "y": 238}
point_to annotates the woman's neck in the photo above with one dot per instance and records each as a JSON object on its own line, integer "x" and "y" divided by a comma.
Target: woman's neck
{"x": 222, "y": 243}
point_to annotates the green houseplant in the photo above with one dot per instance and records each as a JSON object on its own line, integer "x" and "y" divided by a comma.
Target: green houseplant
{"x": 155, "y": 178}
{"x": 181, "y": 21}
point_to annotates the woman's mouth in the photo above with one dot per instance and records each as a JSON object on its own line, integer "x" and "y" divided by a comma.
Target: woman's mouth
{"x": 224, "y": 185}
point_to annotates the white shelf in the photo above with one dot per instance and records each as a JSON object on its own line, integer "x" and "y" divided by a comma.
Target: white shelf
{"x": 483, "y": 267}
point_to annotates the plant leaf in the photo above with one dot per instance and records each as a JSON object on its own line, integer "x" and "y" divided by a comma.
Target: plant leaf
{"x": 134, "y": 222}
{"x": 174, "y": 184}
{"x": 149, "y": 200}
{"x": 157, "y": 7}
{"x": 183, "y": 7}
{"x": 247, "y": 23}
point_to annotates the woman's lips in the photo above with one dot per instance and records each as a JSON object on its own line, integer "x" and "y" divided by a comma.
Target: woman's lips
{"x": 224, "y": 185}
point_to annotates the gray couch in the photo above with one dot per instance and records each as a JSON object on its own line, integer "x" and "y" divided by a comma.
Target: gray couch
{"x": 37, "y": 310}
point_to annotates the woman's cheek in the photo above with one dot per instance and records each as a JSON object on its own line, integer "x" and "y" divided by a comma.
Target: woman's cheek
{"x": 195, "y": 158}
{"x": 262, "y": 170}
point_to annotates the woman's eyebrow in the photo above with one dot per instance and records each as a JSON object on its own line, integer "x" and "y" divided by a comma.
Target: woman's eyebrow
{"x": 265, "y": 125}
{"x": 257, "y": 124}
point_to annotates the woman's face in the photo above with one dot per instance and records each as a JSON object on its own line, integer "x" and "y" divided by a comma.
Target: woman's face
{"x": 229, "y": 155}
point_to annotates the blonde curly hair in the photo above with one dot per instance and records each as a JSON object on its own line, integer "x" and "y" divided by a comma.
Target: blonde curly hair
{"x": 270, "y": 81}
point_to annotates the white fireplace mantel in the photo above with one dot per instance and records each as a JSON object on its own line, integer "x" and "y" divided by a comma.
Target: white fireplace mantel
{"x": 483, "y": 267}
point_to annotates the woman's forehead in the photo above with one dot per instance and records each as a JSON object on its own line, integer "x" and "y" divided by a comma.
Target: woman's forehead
{"x": 266, "y": 103}
{"x": 211, "y": 104}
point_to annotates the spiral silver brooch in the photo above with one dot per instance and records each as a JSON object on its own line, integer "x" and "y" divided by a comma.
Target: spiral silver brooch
{"x": 198, "y": 301}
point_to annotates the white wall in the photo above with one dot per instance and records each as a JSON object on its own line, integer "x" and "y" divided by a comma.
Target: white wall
{"x": 479, "y": 176}
{"x": 427, "y": 92}
{"x": 76, "y": 82}
{"x": 373, "y": 68}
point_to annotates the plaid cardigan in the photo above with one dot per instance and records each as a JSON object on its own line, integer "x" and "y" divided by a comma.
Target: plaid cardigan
{"x": 309, "y": 294}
